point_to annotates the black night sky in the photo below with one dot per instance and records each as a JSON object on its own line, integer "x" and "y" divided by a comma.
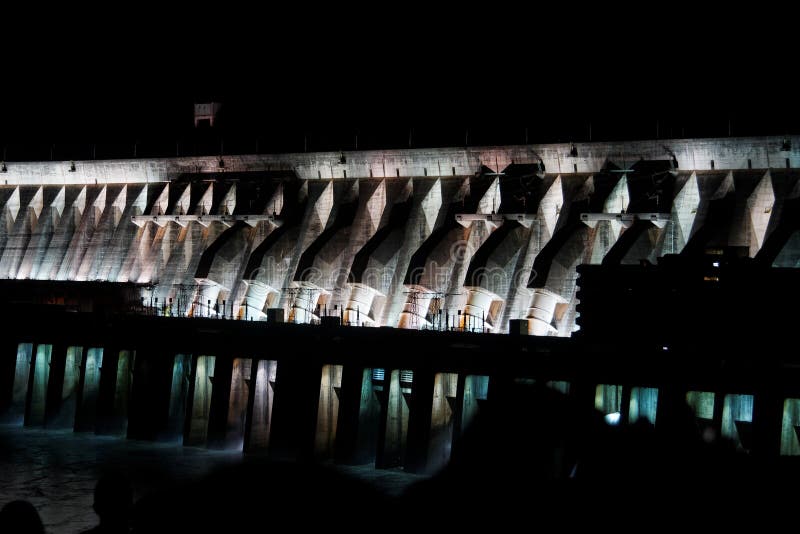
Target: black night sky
{"x": 97, "y": 83}
{"x": 391, "y": 80}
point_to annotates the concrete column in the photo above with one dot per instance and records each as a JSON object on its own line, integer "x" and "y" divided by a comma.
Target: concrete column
{"x": 72, "y": 377}
{"x": 58, "y": 360}
{"x": 62, "y": 391}
{"x": 393, "y": 431}
{"x": 718, "y": 405}
{"x": 624, "y": 403}
{"x": 241, "y": 390}
{"x": 88, "y": 390}
{"x": 561, "y": 386}
{"x": 220, "y": 403}
{"x": 114, "y": 392}
{"x": 258, "y": 421}
{"x": 150, "y": 396}
{"x": 672, "y": 406}
{"x": 790, "y": 439}
{"x": 122, "y": 391}
{"x": 767, "y": 422}
{"x": 8, "y": 350}
{"x": 737, "y": 420}
{"x": 609, "y": 400}
{"x": 498, "y": 388}
{"x": 18, "y": 392}
{"x": 643, "y": 405}
{"x": 359, "y": 415}
{"x": 583, "y": 393}
{"x": 443, "y": 412}
{"x": 37, "y": 390}
{"x": 541, "y": 311}
{"x": 328, "y": 411}
{"x": 200, "y": 387}
{"x": 294, "y": 413}
{"x": 178, "y": 396}
{"x": 419, "y": 421}
{"x": 700, "y": 402}
{"x": 473, "y": 393}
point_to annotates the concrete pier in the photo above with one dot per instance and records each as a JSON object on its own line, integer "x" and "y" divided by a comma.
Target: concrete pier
{"x": 297, "y": 406}
{"x": 258, "y": 420}
{"x": 200, "y": 390}
{"x": 88, "y": 390}
{"x": 38, "y": 380}
{"x": 359, "y": 415}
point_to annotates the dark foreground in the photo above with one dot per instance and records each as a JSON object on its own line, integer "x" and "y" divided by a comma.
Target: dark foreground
{"x": 525, "y": 462}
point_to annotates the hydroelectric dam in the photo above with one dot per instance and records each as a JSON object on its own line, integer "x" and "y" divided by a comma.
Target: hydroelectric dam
{"x": 363, "y": 306}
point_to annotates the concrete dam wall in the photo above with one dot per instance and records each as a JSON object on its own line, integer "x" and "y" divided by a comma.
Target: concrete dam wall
{"x": 465, "y": 239}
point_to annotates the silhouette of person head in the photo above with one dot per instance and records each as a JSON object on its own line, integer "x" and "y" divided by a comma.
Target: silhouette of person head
{"x": 20, "y": 517}
{"x": 113, "y": 502}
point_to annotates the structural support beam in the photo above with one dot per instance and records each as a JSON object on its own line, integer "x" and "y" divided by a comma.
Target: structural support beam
{"x": 88, "y": 390}
{"x": 17, "y": 392}
{"x": 328, "y": 411}
{"x": 8, "y": 359}
{"x": 767, "y": 422}
{"x": 60, "y": 406}
{"x": 393, "y": 430}
{"x": 220, "y": 403}
{"x": 114, "y": 392}
{"x": 150, "y": 396}
{"x": 240, "y": 392}
{"x": 444, "y": 415}
{"x": 200, "y": 391}
{"x": 294, "y": 413}
{"x": 258, "y": 421}
{"x": 359, "y": 414}
{"x": 36, "y": 401}
{"x": 419, "y": 421}
{"x": 179, "y": 396}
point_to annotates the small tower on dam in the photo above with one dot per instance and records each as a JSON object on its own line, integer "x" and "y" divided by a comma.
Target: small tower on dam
{"x": 206, "y": 111}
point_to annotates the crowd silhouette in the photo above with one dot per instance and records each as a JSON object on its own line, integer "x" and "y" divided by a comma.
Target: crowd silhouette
{"x": 20, "y": 517}
{"x": 532, "y": 458}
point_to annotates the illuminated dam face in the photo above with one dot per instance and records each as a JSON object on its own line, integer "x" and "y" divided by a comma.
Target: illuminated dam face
{"x": 442, "y": 238}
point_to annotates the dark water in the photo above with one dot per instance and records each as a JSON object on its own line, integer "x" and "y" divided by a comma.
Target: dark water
{"x": 57, "y": 471}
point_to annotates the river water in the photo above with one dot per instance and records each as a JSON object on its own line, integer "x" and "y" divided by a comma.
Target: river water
{"x": 57, "y": 470}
